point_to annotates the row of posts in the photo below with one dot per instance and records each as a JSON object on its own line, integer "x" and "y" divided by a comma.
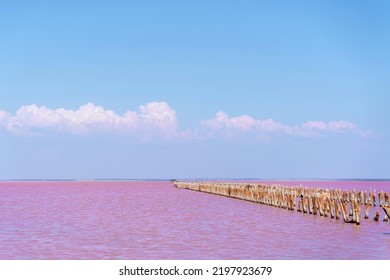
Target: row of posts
{"x": 334, "y": 203}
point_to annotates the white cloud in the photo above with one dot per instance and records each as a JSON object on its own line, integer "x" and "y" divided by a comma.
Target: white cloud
{"x": 158, "y": 119}
{"x": 244, "y": 123}
{"x": 224, "y": 125}
{"x": 333, "y": 126}
{"x": 152, "y": 118}
{"x": 3, "y": 118}
{"x": 159, "y": 116}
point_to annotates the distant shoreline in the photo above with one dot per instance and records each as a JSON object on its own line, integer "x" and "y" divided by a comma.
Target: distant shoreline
{"x": 194, "y": 179}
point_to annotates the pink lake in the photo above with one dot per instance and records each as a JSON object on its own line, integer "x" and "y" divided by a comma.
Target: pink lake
{"x": 154, "y": 220}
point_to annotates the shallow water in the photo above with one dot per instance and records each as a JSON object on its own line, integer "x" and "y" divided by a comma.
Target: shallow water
{"x": 154, "y": 220}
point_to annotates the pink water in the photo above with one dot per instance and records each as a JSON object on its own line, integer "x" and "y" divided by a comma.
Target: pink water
{"x": 153, "y": 220}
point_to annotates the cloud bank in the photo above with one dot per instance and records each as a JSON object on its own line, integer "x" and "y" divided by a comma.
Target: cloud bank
{"x": 158, "y": 119}
{"x": 223, "y": 125}
{"x": 154, "y": 118}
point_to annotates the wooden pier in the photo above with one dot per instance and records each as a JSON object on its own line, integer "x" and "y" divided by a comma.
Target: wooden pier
{"x": 334, "y": 203}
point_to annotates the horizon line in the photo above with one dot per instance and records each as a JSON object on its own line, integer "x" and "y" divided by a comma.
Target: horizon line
{"x": 191, "y": 179}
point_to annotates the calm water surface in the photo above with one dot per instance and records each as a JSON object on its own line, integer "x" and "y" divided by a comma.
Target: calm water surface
{"x": 153, "y": 220}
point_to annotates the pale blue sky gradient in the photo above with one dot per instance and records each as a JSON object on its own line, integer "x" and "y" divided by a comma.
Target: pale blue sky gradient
{"x": 289, "y": 61}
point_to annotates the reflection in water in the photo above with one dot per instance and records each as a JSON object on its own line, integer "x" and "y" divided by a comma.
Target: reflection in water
{"x": 153, "y": 220}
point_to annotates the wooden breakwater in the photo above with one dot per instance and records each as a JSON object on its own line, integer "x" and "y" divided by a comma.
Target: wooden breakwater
{"x": 334, "y": 203}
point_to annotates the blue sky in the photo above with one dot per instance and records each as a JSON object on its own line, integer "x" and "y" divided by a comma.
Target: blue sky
{"x": 193, "y": 89}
